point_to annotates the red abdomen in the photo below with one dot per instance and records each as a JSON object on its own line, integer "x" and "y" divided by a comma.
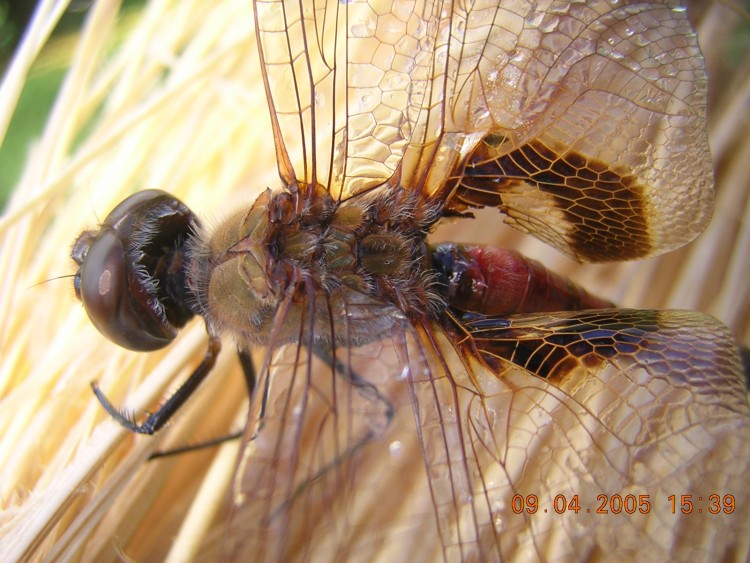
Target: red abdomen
{"x": 494, "y": 281}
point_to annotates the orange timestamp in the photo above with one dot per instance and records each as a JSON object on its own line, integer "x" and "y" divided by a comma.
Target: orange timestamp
{"x": 713, "y": 504}
{"x": 627, "y": 504}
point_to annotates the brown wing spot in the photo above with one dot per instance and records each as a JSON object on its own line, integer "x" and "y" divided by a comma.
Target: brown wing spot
{"x": 554, "y": 350}
{"x": 604, "y": 209}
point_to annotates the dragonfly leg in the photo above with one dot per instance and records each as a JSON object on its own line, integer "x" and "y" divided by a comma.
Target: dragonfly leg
{"x": 371, "y": 393}
{"x": 364, "y": 387}
{"x": 249, "y": 373}
{"x": 158, "y": 419}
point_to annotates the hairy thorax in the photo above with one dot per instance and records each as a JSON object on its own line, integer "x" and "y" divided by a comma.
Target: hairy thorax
{"x": 324, "y": 266}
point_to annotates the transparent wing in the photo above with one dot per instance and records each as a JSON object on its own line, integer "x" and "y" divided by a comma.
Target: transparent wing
{"x": 322, "y": 421}
{"x": 560, "y": 436}
{"x": 345, "y": 82}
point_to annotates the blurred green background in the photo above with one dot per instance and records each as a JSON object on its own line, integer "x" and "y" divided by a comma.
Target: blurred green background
{"x": 43, "y": 81}
{"x": 41, "y": 87}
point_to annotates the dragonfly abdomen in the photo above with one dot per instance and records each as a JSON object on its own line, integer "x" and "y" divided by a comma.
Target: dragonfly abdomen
{"x": 495, "y": 281}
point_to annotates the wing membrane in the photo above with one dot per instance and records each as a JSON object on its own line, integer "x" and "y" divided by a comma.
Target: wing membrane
{"x": 345, "y": 81}
{"x": 648, "y": 403}
{"x": 321, "y": 417}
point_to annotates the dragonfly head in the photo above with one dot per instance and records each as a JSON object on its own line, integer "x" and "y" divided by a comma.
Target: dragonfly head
{"x": 131, "y": 273}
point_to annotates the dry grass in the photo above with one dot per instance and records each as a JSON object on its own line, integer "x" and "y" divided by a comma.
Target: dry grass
{"x": 177, "y": 105}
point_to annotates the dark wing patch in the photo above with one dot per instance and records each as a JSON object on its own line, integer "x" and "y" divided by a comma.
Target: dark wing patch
{"x": 553, "y": 349}
{"x": 581, "y": 205}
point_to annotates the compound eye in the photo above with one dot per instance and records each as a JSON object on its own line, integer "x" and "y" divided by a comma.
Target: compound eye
{"x": 131, "y": 271}
{"x": 116, "y": 300}
{"x": 77, "y": 284}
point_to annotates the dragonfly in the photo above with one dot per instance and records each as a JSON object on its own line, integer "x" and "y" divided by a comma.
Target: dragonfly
{"x": 551, "y": 424}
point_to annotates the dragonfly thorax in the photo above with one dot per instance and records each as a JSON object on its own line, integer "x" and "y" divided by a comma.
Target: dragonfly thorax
{"x": 335, "y": 263}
